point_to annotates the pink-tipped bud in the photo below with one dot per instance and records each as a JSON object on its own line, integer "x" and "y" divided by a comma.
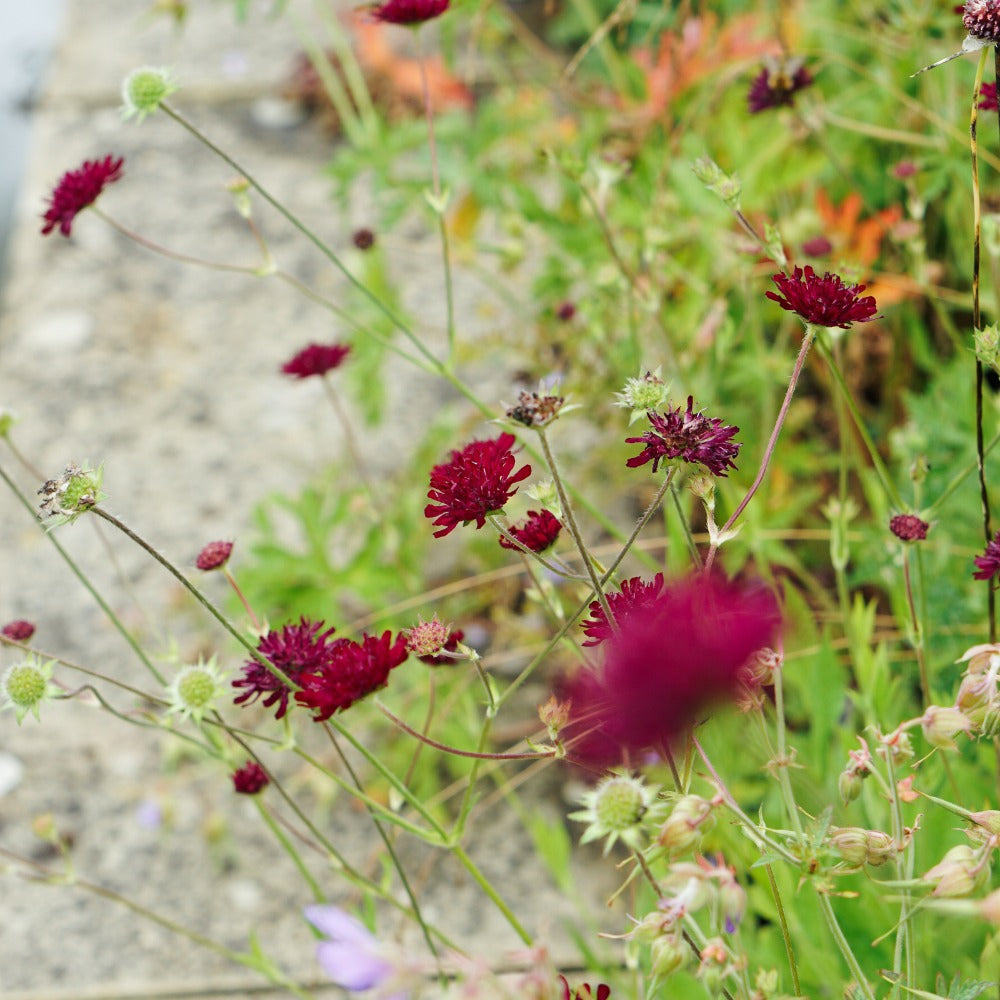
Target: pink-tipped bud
{"x": 215, "y": 555}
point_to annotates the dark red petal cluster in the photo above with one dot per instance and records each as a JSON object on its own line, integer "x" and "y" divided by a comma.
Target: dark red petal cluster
{"x": 669, "y": 663}
{"x": 478, "y": 480}
{"x": 363, "y": 239}
{"x": 409, "y": 11}
{"x": 355, "y": 670}
{"x": 988, "y": 97}
{"x": 775, "y": 87}
{"x": 825, "y": 301}
{"x": 295, "y": 650}
{"x": 77, "y": 189}
{"x": 450, "y": 646}
{"x": 250, "y": 779}
{"x": 635, "y": 594}
{"x": 540, "y": 530}
{"x": 214, "y": 555}
{"x": 689, "y": 436}
{"x": 316, "y": 359}
{"x": 909, "y": 527}
{"x": 19, "y": 630}
{"x": 982, "y": 19}
{"x": 988, "y": 564}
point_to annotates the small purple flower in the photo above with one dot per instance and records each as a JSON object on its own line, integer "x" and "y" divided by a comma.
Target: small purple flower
{"x": 351, "y": 956}
{"x": 909, "y": 527}
{"x": 982, "y": 19}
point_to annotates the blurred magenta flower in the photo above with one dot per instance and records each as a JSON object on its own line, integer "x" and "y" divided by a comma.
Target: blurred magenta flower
{"x": 316, "y": 359}
{"x": 77, "y": 189}
{"x": 776, "y": 85}
{"x": 351, "y": 956}
{"x": 988, "y": 564}
{"x": 409, "y": 11}
{"x": 672, "y": 659}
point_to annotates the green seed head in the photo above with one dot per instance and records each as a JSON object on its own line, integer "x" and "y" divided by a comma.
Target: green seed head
{"x": 144, "y": 90}
{"x": 26, "y": 685}
{"x": 619, "y": 804}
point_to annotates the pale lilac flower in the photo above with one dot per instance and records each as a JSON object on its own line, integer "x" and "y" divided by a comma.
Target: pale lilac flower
{"x": 351, "y": 956}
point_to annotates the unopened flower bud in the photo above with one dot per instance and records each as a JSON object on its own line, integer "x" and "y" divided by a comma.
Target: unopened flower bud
{"x": 863, "y": 847}
{"x": 668, "y": 954}
{"x": 960, "y": 872}
{"x": 682, "y": 830}
{"x": 988, "y": 819}
{"x": 726, "y": 186}
{"x": 554, "y": 715}
{"x": 214, "y": 555}
{"x": 941, "y": 724}
{"x": 849, "y": 785}
{"x": 647, "y": 392}
{"x": 732, "y": 902}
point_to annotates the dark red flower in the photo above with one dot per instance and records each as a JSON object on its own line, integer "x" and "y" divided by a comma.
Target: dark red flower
{"x": 689, "y": 436}
{"x": 982, "y": 19}
{"x": 363, "y": 239}
{"x": 409, "y": 11}
{"x": 19, "y": 630}
{"x": 316, "y": 359}
{"x": 776, "y": 86}
{"x": 295, "y": 650}
{"x": 214, "y": 555}
{"x": 584, "y": 992}
{"x": 250, "y": 779}
{"x": 566, "y": 311}
{"x": 77, "y": 189}
{"x": 908, "y": 527}
{"x": 540, "y": 530}
{"x": 825, "y": 301}
{"x": 671, "y": 660}
{"x": 988, "y": 97}
{"x": 478, "y": 480}
{"x": 634, "y": 595}
{"x": 988, "y": 564}
{"x": 354, "y": 670}
{"x": 450, "y": 646}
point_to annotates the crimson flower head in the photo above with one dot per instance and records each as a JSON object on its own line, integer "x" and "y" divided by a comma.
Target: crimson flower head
{"x": 982, "y": 19}
{"x": 354, "y": 670}
{"x": 988, "y": 97}
{"x": 295, "y": 650}
{"x": 635, "y": 594}
{"x": 250, "y": 779}
{"x": 540, "y": 530}
{"x": 476, "y": 481}
{"x": 908, "y": 527}
{"x": 825, "y": 301}
{"x": 19, "y": 630}
{"x": 77, "y": 189}
{"x": 409, "y": 11}
{"x": 776, "y": 86}
{"x": 669, "y": 662}
{"x": 316, "y": 359}
{"x": 689, "y": 436}
{"x": 988, "y": 564}
{"x": 214, "y": 555}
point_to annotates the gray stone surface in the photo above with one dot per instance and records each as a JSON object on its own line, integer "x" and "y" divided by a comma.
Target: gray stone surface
{"x": 166, "y": 373}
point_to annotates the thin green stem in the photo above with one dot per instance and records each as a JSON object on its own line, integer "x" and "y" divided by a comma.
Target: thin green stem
{"x": 82, "y": 577}
{"x": 568, "y": 516}
{"x": 843, "y": 946}
{"x": 785, "y": 935}
{"x": 311, "y": 236}
{"x": 783, "y": 762}
{"x": 977, "y": 326}
{"x": 807, "y": 340}
{"x": 494, "y": 896}
{"x": 290, "y": 850}
{"x": 876, "y": 459}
